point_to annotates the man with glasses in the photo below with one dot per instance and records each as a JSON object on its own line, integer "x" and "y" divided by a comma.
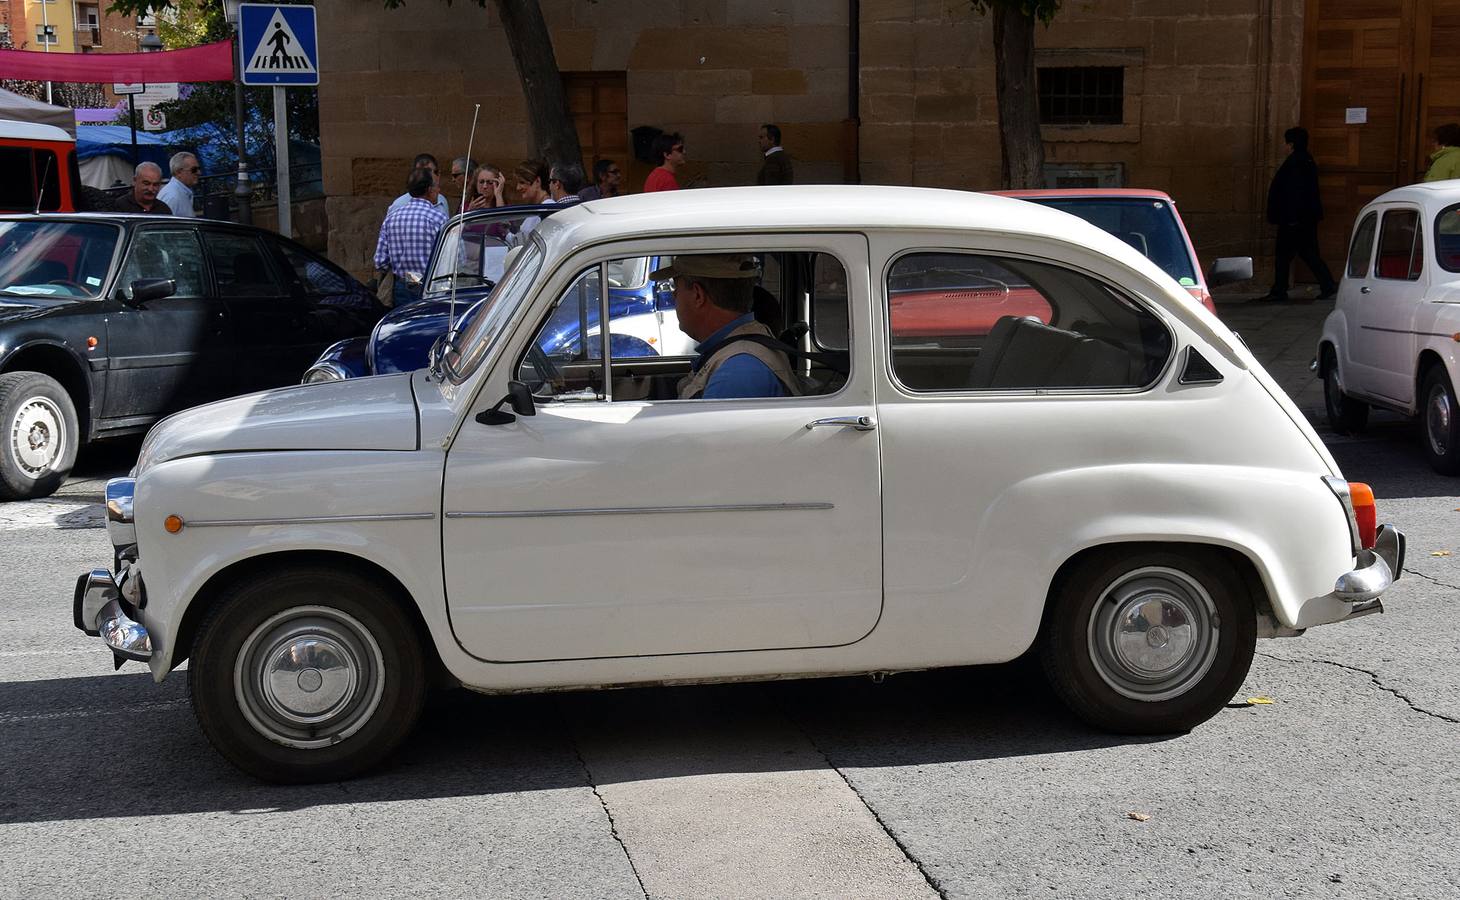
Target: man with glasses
{"x": 564, "y": 182}
{"x": 428, "y": 162}
{"x": 178, "y": 193}
{"x": 462, "y": 170}
{"x": 669, "y": 150}
{"x": 607, "y": 177}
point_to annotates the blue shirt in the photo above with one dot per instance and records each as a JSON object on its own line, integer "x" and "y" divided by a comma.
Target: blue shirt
{"x": 178, "y": 197}
{"x": 740, "y": 376}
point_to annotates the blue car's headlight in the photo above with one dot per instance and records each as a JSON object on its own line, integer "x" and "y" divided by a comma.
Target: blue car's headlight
{"x": 321, "y": 372}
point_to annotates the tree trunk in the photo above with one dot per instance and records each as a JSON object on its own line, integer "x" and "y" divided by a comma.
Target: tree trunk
{"x": 554, "y": 137}
{"x": 1020, "y": 145}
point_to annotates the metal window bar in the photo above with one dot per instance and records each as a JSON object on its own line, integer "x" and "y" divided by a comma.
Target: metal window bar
{"x": 1081, "y": 95}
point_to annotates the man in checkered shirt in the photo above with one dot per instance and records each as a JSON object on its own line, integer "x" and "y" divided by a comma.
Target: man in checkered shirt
{"x": 407, "y": 236}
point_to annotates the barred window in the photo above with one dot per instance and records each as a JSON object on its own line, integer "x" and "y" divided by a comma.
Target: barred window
{"x": 1081, "y": 95}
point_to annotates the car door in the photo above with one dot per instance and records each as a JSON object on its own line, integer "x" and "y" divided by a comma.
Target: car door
{"x": 1354, "y": 291}
{"x": 1384, "y": 348}
{"x": 607, "y": 527}
{"x": 272, "y": 338}
{"x": 336, "y": 306}
{"x": 171, "y": 353}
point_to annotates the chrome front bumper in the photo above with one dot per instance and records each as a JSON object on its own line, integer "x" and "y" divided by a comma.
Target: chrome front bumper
{"x": 1377, "y": 570}
{"x": 101, "y": 608}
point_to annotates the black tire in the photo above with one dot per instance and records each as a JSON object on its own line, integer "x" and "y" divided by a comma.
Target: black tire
{"x": 39, "y": 435}
{"x": 1100, "y": 676}
{"x": 1345, "y": 414}
{"x": 356, "y": 635}
{"x": 1439, "y": 419}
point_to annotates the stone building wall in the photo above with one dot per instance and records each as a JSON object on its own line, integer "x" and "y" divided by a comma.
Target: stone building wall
{"x": 1209, "y": 86}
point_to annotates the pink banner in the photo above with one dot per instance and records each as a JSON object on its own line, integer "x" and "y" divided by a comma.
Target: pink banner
{"x": 210, "y": 62}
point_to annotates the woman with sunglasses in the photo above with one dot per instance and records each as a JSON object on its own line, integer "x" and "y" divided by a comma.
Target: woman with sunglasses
{"x": 485, "y": 189}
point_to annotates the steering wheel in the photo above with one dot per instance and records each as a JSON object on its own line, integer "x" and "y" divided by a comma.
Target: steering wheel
{"x": 545, "y": 368}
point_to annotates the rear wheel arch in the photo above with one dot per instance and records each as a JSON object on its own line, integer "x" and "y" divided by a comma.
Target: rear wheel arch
{"x": 1428, "y": 359}
{"x": 58, "y": 363}
{"x": 216, "y": 587}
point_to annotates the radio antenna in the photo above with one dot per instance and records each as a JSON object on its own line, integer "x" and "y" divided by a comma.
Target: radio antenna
{"x": 461, "y": 232}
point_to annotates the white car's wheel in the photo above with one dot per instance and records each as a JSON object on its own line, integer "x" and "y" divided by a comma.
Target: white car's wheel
{"x": 307, "y": 675}
{"x": 1147, "y": 640}
{"x": 40, "y": 434}
{"x": 1440, "y": 419}
{"x": 1345, "y": 414}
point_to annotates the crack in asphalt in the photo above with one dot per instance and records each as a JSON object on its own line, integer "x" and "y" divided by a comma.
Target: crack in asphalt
{"x": 603, "y": 802}
{"x": 1432, "y": 579}
{"x": 911, "y": 857}
{"x": 1374, "y": 677}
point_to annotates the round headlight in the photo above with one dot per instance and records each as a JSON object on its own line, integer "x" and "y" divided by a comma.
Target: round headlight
{"x": 319, "y": 373}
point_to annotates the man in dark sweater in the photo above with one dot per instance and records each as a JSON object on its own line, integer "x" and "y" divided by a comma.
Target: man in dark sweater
{"x": 776, "y": 169}
{"x": 1293, "y": 205}
{"x": 146, "y": 181}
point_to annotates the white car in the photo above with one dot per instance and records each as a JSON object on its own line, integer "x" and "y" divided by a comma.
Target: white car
{"x": 1103, "y": 474}
{"x": 1393, "y": 338}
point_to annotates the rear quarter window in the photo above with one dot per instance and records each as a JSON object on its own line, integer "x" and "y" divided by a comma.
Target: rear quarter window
{"x": 1447, "y": 238}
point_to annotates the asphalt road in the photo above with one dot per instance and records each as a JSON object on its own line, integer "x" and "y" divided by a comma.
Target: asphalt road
{"x": 962, "y": 783}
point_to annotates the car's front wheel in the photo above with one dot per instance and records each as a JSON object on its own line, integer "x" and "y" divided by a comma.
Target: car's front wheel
{"x": 40, "y": 434}
{"x": 1345, "y": 414}
{"x": 1440, "y": 418}
{"x": 1149, "y": 640}
{"x": 307, "y": 675}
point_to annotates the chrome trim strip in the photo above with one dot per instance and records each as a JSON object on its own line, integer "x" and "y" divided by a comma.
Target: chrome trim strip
{"x": 1405, "y": 331}
{"x": 636, "y": 510}
{"x": 307, "y": 520}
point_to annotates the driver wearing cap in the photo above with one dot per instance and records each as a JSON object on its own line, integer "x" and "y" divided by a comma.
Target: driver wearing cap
{"x": 713, "y": 295}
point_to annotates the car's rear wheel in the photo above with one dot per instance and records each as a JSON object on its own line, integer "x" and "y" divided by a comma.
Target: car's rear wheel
{"x": 306, "y": 675}
{"x": 40, "y": 434}
{"x": 1149, "y": 640}
{"x": 1345, "y": 414}
{"x": 1440, "y": 419}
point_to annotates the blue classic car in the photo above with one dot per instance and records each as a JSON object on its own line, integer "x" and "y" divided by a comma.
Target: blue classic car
{"x": 468, "y": 260}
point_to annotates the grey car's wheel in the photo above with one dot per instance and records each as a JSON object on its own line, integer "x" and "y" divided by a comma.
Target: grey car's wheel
{"x": 304, "y": 675}
{"x": 1345, "y": 414}
{"x": 1440, "y": 421}
{"x": 39, "y": 431}
{"x": 1149, "y": 640}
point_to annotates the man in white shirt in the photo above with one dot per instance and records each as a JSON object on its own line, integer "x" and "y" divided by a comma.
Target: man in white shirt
{"x": 178, "y": 193}
{"x": 428, "y": 162}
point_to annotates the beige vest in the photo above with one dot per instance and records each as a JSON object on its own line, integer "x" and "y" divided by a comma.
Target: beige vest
{"x": 693, "y": 385}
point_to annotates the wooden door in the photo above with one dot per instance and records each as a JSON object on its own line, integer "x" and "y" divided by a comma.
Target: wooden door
{"x": 598, "y": 103}
{"x": 1378, "y": 76}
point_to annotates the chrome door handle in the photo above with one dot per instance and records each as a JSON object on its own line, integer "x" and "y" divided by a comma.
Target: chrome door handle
{"x": 859, "y": 423}
{"x": 1365, "y": 290}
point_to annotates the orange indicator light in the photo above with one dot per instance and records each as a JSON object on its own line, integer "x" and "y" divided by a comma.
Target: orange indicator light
{"x": 173, "y": 524}
{"x": 91, "y": 343}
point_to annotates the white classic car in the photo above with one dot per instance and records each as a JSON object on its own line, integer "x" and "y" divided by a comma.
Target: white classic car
{"x": 1393, "y": 338}
{"x": 1010, "y": 431}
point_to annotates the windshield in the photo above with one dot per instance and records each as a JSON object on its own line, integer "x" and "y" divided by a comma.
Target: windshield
{"x": 472, "y": 346}
{"x": 1147, "y": 225}
{"x": 55, "y": 259}
{"x": 475, "y": 251}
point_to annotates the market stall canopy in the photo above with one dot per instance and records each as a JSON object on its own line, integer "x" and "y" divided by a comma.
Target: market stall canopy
{"x": 24, "y": 109}
{"x": 209, "y": 62}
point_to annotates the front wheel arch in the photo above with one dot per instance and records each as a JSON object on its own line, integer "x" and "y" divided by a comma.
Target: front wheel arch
{"x": 217, "y": 585}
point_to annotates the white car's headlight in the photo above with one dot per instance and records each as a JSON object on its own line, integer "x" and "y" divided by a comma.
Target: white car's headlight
{"x": 319, "y": 373}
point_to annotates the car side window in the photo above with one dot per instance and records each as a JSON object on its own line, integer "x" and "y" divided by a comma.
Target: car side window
{"x": 962, "y": 321}
{"x": 1447, "y": 239}
{"x": 318, "y": 277}
{"x": 1362, "y": 248}
{"x": 241, "y": 266}
{"x": 159, "y": 253}
{"x": 1401, "y": 253}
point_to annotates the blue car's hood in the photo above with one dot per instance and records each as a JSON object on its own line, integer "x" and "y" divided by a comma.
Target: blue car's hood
{"x": 403, "y": 339}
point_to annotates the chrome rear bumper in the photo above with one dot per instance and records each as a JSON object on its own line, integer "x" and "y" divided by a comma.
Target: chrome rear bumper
{"x": 1377, "y": 570}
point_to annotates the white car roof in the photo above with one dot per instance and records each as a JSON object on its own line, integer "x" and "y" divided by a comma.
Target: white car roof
{"x": 829, "y": 207}
{"x": 33, "y": 131}
{"x": 1429, "y": 195}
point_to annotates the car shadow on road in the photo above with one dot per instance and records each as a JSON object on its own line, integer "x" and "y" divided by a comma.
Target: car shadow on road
{"x": 100, "y": 747}
{"x": 1389, "y": 457}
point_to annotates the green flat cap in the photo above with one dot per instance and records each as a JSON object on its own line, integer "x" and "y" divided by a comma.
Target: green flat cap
{"x": 709, "y": 265}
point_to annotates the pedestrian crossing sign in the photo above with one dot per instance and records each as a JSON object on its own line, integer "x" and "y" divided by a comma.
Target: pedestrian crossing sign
{"x": 278, "y": 44}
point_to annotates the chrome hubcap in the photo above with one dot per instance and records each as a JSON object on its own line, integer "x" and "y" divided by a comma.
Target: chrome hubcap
{"x": 37, "y": 436}
{"x": 309, "y": 677}
{"x": 1437, "y": 420}
{"x": 1153, "y": 633}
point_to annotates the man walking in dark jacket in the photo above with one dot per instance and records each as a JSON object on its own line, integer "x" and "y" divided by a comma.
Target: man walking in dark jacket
{"x": 1293, "y": 205}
